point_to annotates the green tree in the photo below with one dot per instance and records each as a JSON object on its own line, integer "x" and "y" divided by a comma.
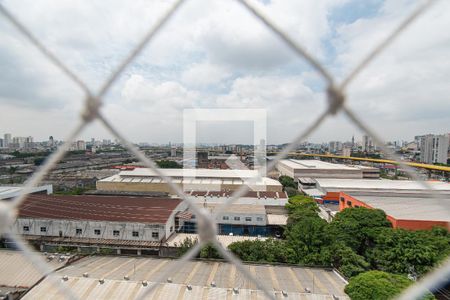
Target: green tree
{"x": 287, "y": 181}
{"x": 346, "y": 260}
{"x": 358, "y": 227}
{"x": 168, "y": 164}
{"x": 38, "y": 161}
{"x": 308, "y": 236}
{"x": 409, "y": 252}
{"x": 269, "y": 250}
{"x": 301, "y": 203}
{"x": 209, "y": 251}
{"x": 291, "y": 191}
{"x": 185, "y": 245}
{"x": 376, "y": 285}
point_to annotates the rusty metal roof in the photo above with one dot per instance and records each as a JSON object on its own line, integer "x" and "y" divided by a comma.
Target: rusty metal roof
{"x": 99, "y": 208}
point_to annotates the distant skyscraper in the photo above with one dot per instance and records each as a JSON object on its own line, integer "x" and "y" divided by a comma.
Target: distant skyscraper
{"x": 434, "y": 148}
{"x": 367, "y": 144}
{"x": 81, "y": 145}
{"x": 7, "y": 140}
{"x": 346, "y": 151}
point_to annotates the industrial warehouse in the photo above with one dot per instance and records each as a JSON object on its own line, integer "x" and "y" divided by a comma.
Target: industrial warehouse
{"x": 295, "y": 168}
{"x": 132, "y": 224}
{"x": 147, "y": 180}
{"x": 139, "y": 225}
{"x": 128, "y": 278}
{"x": 329, "y": 188}
{"x": 412, "y": 213}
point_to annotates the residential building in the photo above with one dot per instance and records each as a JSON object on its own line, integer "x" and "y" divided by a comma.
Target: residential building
{"x": 7, "y": 140}
{"x": 81, "y": 145}
{"x": 367, "y": 144}
{"x": 434, "y": 148}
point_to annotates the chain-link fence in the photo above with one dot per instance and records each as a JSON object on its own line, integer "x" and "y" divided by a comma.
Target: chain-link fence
{"x": 206, "y": 222}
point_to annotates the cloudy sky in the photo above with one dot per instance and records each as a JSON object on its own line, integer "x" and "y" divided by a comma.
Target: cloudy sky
{"x": 215, "y": 54}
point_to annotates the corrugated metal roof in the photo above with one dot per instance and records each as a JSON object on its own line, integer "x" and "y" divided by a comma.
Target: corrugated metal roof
{"x": 373, "y": 184}
{"x": 99, "y": 208}
{"x": 17, "y": 271}
{"x": 199, "y": 274}
{"x": 411, "y": 208}
{"x": 7, "y": 192}
{"x": 314, "y": 164}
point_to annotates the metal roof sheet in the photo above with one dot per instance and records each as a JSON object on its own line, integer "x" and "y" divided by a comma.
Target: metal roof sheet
{"x": 99, "y": 208}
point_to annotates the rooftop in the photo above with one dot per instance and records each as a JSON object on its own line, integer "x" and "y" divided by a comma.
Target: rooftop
{"x": 312, "y": 164}
{"x": 410, "y": 208}
{"x": 18, "y": 271}
{"x": 249, "y": 194}
{"x": 7, "y": 192}
{"x": 198, "y": 274}
{"x": 193, "y": 173}
{"x": 193, "y": 177}
{"x": 99, "y": 208}
{"x": 381, "y": 184}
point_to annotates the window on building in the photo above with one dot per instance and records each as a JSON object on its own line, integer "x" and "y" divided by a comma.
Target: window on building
{"x": 26, "y": 228}
{"x": 349, "y": 203}
{"x": 237, "y": 218}
{"x": 225, "y": 218}
{"x": 97, "y": 231}
{"x": 135, "y": 233}
{"x": 259, "y": 219}
{"x": 248, "y": 219}
{"x": 193, "y": 217}
{"x": 171, "y": 228}
{"x": 356, "y": 206}
{"x": 155, "y": 235}
{"x": 342, "y": 199}
{"x": 78, "y": 231}
{"x": 43, "y": 229}
{"x": 116, "y": 232}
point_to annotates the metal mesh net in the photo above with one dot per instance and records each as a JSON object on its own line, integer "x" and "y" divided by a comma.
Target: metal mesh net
{"x": 336, "y": 95}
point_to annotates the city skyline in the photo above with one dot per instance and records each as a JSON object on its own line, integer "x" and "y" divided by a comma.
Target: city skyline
{"x": 356, "y": 139}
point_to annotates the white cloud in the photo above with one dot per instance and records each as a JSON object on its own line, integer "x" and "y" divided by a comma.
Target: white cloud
{"x": 407, "y": 83}
{"x": 216, "y": 54}
{"x": 204, "y": 75}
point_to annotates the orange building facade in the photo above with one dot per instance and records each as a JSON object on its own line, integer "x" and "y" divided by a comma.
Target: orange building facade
{"x": 346, "y": 201}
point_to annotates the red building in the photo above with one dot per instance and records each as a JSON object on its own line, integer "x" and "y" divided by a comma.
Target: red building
{"x": 413, "y": 213}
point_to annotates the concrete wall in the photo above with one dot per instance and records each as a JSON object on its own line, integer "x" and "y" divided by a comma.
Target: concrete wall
{"x": 254, "y": 218}
{"x": 252, "y": 201}
{"x": 68, "y": 229}
{"x": 164, "y": 187}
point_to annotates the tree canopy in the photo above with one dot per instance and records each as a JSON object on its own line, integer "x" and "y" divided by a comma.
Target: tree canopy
{"x": 357, "y": 227}
{"x": 378, "y": 285}
{"x": 168, "y": 164}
